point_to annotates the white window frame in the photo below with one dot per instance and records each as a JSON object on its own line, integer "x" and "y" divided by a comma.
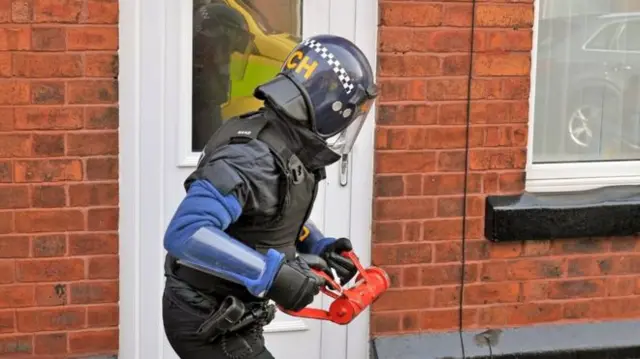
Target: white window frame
{"x": 571, "y": 176}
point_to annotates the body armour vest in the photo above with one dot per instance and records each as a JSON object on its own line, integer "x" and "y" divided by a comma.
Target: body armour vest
{"x": 298, "y": 189}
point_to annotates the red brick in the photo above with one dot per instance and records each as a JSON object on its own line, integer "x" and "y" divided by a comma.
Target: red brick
{"x": 520, "y": 314}
{"x": 101, "y": 65}
{"x": 93, "y": 92}
{"x": 48, "y": 196}
{"x": 82, "y": 244}
{"x": 51, "y": 343}
{"x": 52, "y": 295}
{"x": 410, "y": 14}
{"x": 410, "y": 114}
{"x": 446, "y": 319}
{"x": 92, "y": 143}
{"x": 92, "y": 38}
{"x": 7, "y": 271}
{"x": 63, "y": 11}
{"x": 49, "y": 245}
{"x": 490, "y": 159}
{"x": 447, "y": 89}
{"x": 48, "y": 118}
{"x": 50, "y": 221}
{"x": 14, "y": 92}
{"x": 48, "y": 170}
{"x": 49, "y": 39}
{"x": 491, "y": 293}
{"x": 49, "y": 65}
{"x": 407, "y": 299}
{"x": 388, "y": 186}
{"x": 402, "y": 254}
{"x": 18, "y": 344}
{"x": 37, "y": 320}
{"x": 402, "y": 90}
{"x": 100, "y": 316}
{"x": 21, "y": 11}
{"x": 48, "y": 93}
{"x": 101, "y": 118}
{"x": 5, "y": 11}
{"x": 6, "y": 65}
{"x": 386, "y": 322}
{"x": 498, "y": 15}
{"x": 6, "y": 174}
{"x": 16, "y": 296}
{"x": 102, "y": 12}
{"x": 458, "y": 15}
{"x": 405, "y": 162}
{"x": 15, "y": 38}
{"x": 7, "y": 119}
{"x": 523, "y": 269}
{"x": 409, "y": 65}
{"x": 511, "y": 64}
{"x": 48, "y": 145}
{"x": 6, "y": 222}
{"x": 50, "y": 270}
{"x": 12, "y": 197}
{"x": 404, "y": 208}
{"x": 14, "y": 246}
{"x": 94, "y": 292}
{"x": 104, "y": 267}
{"x": 7, "y": 323}
{"x": 384, "y": 232}
{"x": 445, "y": 274}
{"x": 93, "y": 341}
{"x": 103, "y": 219}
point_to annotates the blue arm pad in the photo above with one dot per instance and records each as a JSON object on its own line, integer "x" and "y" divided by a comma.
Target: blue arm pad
{"x": 196, "y": 237}
{"x": 315, "y": 243}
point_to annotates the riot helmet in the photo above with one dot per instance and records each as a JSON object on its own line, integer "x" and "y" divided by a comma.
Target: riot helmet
{"x": 326, "y": 83}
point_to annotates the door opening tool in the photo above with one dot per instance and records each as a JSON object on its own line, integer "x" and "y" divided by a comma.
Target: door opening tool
{"x": 348, "y": 302}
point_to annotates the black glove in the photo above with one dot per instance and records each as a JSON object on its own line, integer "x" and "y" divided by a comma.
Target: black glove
{"x": 344, "y": 267}
{"x": 295, "y": 285}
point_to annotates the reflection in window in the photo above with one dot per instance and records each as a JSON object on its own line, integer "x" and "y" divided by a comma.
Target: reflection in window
{"x": 237, "y": 45}
{"x": 587, "y": 99}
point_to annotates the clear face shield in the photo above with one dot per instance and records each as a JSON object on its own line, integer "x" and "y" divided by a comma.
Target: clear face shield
{"x": 343, "y": 142}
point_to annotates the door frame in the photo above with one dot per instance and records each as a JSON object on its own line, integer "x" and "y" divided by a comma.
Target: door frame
{"x": 143, "y": 81}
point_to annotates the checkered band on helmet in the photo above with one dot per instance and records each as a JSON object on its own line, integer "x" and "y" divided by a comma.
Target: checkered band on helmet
{"x": 331, "y": 59}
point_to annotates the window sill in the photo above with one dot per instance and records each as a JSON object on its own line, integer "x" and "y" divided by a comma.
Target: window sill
{"x": 603, "y": 212}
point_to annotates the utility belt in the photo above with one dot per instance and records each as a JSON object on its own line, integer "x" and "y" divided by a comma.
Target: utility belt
{"x": 233, "y": 316}
{"x": 228, "y": 313}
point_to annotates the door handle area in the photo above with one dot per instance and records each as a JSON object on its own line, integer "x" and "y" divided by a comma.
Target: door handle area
{"x": 344, "y": 170}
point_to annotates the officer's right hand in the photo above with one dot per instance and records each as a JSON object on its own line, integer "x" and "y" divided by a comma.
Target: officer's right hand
{"x": 295, "y": 285}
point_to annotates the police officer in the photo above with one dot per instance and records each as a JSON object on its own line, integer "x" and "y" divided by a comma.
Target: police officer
{"x": 235, "y": 242}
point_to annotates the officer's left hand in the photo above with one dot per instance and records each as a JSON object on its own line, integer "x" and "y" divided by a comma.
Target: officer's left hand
{"x": 344, "y": 267}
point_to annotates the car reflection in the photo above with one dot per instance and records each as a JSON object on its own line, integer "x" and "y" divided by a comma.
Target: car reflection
{"x": 587, "y": 88}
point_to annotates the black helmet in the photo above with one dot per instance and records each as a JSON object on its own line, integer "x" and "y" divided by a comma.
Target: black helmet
{"x": 327, "y": 83}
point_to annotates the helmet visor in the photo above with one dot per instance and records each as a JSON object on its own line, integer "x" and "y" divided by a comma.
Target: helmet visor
{"x": 343, "y": 142}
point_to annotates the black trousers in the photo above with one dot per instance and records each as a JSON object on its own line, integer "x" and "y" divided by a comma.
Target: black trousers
{"x": 184, "y": 311}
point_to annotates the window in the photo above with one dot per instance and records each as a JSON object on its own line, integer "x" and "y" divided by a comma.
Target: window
{"x": 237, "y": 45}
{"x": 585, "y": 103}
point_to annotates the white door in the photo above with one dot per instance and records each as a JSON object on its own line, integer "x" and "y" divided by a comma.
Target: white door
{"x": 157, "y": 155}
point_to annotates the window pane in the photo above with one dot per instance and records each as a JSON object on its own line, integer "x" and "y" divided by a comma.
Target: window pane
{"x": 237, "y": 45}
{"x": 587, "y": 100}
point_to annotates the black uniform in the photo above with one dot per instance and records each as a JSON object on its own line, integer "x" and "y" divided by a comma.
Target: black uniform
{"x": 275, "y": 166}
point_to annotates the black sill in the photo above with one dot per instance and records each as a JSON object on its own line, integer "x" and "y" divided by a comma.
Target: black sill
{"x": 613, "y": 353}
{"x": 604, "y": 212}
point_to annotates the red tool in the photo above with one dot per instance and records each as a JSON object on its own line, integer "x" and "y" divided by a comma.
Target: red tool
{"x": 349, "y": 302}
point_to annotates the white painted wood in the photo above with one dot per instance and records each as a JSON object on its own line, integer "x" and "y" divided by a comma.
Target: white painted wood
{"x": 155, "y": 127}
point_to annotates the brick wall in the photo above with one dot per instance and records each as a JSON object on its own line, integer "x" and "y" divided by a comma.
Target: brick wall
{"x": 58, "y": 177}
{"x": 420, "y": 157}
